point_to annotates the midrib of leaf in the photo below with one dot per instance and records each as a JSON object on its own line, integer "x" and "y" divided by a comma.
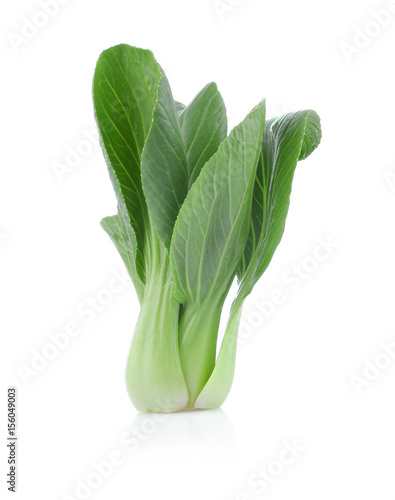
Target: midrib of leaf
{"x": 136, "y": 99}
{"x": 199, "y": 127}
{"x": 191, "y": 180}
{"x": 176, "y": 194}
{"x": 128, "y": 118}
{"x": 234, "y": 225}
{"x": 206, "y": 232}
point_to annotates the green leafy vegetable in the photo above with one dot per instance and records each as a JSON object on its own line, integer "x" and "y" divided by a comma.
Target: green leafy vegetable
{"x": 196, "y": 208}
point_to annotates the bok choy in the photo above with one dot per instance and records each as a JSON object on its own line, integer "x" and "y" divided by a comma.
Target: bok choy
{"x": 196, "y": 208}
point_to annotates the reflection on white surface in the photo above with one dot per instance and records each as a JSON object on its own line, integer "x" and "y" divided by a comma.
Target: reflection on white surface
{"x": 207, "y": 429}
{"x": 178, "y": 455}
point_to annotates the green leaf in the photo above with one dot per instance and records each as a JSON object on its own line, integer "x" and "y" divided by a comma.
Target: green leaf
{"x": 212, "y": 227}
{"x": 125, "y": 88}
{"x": 125, "y": 242}
{"x": 204, "y": 127}
{"x": 164, "y": 165}
{"x": 312, "y": 134}
{"x": 286, "y": 140}
{"x": 177, "y": 147}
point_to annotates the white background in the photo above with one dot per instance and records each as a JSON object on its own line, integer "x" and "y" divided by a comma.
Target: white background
{"x": 296, "y": 365}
